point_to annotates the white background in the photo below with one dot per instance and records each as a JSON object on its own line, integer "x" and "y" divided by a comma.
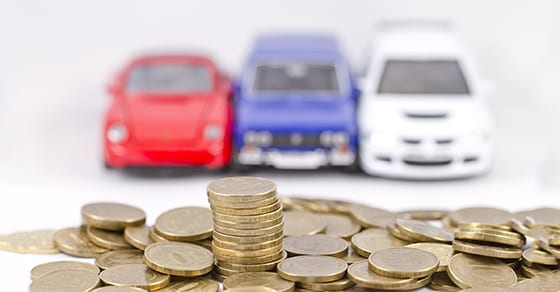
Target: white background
{"x": 57, "y": 56}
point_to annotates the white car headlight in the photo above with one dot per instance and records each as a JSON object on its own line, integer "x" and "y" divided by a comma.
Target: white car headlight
{"x": 326, "y": 138}
{"x": 213, "y": 132}
{"x": 117, "y": 133}
{"x": 258, "y": 138}
{"x": 340, "y": 138}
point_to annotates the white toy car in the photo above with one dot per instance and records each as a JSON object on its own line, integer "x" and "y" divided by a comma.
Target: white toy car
{"x": 422, "y": 112}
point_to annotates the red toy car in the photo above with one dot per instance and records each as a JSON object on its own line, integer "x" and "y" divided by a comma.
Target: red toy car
{"x": 169, "y": 110}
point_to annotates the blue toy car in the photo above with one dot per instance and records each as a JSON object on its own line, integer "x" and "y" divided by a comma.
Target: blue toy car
{"x": 295, "y": 104}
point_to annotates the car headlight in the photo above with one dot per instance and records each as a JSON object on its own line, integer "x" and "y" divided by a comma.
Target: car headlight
{"x": 117, "y": 133}
{"x": 340, "y": 138}
{"x": 326, "y": 138}
{"x": 213, "y": 132}
{"x": 261, "y": 138}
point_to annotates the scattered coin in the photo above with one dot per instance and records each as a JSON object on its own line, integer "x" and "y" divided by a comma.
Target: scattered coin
{"x": 370, "y": 217}
{"x": 534, "y": 256}
{"x": 33, "y": 242}
{"x": 372, "y": 240}
{"x": 118, "y": 289}
{"x": 491, "y": 235}
{"x": 360, "y": 274}
{"x": 138, "y": 236}
{"x": 47, "y": 268}
{"x": 471, "y": 271}
{"x": 481, "y": 215}
{"x": 192, "y": 285}
{"x": 263, "y": 279}
{"x": 179, "y": 259}
{"x": 441, "y": 282}
{"x": 250, "y": 289}
{"x": 185, "y": 224}
{"x": 340, "y": 225}
{"x": 66, "y": 280}
{"x": 107, "y": 239}
{"x": 423, "y": 215}
{"x": 303, "y": 223}
{"x": 119, "y": 257}
{"x": 73, "y": 241}
{"x": 318, "y": 244}
{"x": 501, "y": 252}
{"x": 403, "y": 262}
{"x": 112, "y": 216}
{"x": 337, "y": 285}
{"x": 443, "y": 252}
{"x": 423, "y": 231}
{"x": 135, "y": 275}
{"x": 312, "y": 269}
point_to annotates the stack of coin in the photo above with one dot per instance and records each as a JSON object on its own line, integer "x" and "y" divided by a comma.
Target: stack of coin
{"x": 248, "y": 225}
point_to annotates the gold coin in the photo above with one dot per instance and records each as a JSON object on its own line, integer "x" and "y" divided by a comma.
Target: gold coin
{"x": 534, "y": 256}
{"x": 328, "y": 286}
{"x": 185, "y": 224}
{"x": 247, "y": 226}
{"x": 112, "y": 216}
{"x": 135, "y": 275}
{"x": 247, "y": 239}
{"x": 225, "y": 271}
{"x": 251, "y": 260}
{"x": 520, "y": 227}
{"x": 340, "y": 225}
{"x": 241, "y": 189}
{"x": 245, "y": 205}
{"x": 179, "y": 259}
{"x": 443, "y": 252}
{"x": 441, "y": 282}
{"x": 352, "y": 256}
{"x": 360, "y": 274}
{"x": 471, "y": 271}
{"x": 487, "y": 250}
{"x": 74, "y": 241}
{"x": 249, "y": 211}
{"x": 245, "y": 253}
{"x": 370, "y": 217}
{"x": 252, "y": 267}
{"x": 474, "y": 225}
{"x": 524, "y": 286}
{"x": 66, "y": 281}
{"x": 47, "y": 268}
{"x": 206, "y": 243}
{"x": 423, "y": 215}
{"x": 554, "y": 239}
{"x": 250, "y": 232}
{"x": 540, "y": 217}
{"x": 535, "y": 270}
{"x": 318, "y": 244}
{"x": 396, "y": 232}
{"x": 250, "y": 289}
{"x": 33, "y": 242}
{"x": 247, "y": 247}
{"x": 249, "y": 219}
{"x": 107, "y": 239}
{"x": 481, "y": 215}
{"x": 155, "y": 236}
{"x": 303, "y": 223}
{"x": 138, "y": 236}
{"x": 423, "y": 231}
{"x": 372, "y": 240}
{"x": 119, "y": 257}
{"x": 403, "y": 262}
{"x": 192, "y": 285}
{"x": 485, "y": 289}
{"x": 316, "y": 269}
{"x": 263, "y": 279}
{"x": 118, "y": 289}
{"x": 492, "y": 235}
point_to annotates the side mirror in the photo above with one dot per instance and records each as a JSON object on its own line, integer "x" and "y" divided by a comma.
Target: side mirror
{"x": 487, "y": 87}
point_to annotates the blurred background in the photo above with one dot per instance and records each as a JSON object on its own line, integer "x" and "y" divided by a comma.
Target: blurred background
{"x": 56, "y": 58}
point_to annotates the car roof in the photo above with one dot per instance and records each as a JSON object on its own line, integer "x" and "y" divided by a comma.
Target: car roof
{"x": 172, "y": 58}
{"x": 295, "y": 45}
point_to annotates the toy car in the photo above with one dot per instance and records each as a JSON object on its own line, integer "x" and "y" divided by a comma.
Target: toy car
{"x": 169, "y": 110}
{"x": 423, "y": 112}
{"x": 295, "y": 104}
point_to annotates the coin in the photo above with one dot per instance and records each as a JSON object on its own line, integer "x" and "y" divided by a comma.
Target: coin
{"x": 250, "y": 289}
{"x": 340, "y": 225}
{"x": 315, "y": 269}
{"x": 119, "y": 257}
{"x": 247, "y": 247}
{"x": 43, "y": 269}
{"x": 370, "y": 217}
{"x": 249, "y": 211}
{"x": 249, "y": 219}
{"x": 250, "y": 232}
{"x": 423, "y": 231}
{"x": 534, "y": 270}
{"x": 423, "y": 215}
{"x": 156, "y": 237}
{"x": 178, "y": 258}
{"x": 491, "y": 235}
{"x": 443, "y": 252}
{"x": 352, "y": 256}
{"x": 107, "y": 239}
{"x": 138, "y": 236}
{"x": 441, "y": 282}
{"x": 245, "y": 253}
{"x": 33, "y": 242}
{"x": 252, "y": 267}
{"x": 540, "y": 217}
{"x": 112, "y": 216}
{"x": 523, "y": 286}
{"x": 135, "y": 275}
{"x": 471, "y": 271}
{"x": 185, "y": 224}
{"x": 247, "y": 239}
{"x": 118, "y": 289}
{"x": 67, "y": 280}
{"x": 303, "y": 223}
{"x": 318, "y": 244}
{"x": 328, "y": 286}
{"x": 534, "y": 256}
{"x": 73, "y": 241}
{"x": 396, "y": 232}
{"x": 403, "y": 262}
{"x": 241, "y": 189}
{"x": 251, "y": 260}
{"x": 192, "y": 285}
{"x": 487, "y": 250}
{"x": 485, "y": 289}
{"x": 246, "y": 226}
{"x": 481, "y": 215}
{"x": 476, "y": 226}
{"x": 360, "y": 274}
{"x": 372, "y": 240}
{"x": 243, "y": 205}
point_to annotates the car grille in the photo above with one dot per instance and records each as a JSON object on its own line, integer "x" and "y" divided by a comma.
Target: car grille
{"x": 295, "y": 140}
{"x": 417, "y": 161}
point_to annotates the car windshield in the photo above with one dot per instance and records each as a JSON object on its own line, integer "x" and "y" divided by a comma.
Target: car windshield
{"x": 297, "y": 77}
{"x": 423, "y": 77}
{"x": 169, "y": 78}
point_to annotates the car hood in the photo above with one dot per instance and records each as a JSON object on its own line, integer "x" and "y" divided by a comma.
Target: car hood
{"x": 160, "y": 119}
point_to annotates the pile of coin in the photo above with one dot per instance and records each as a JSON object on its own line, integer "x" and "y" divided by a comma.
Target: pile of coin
{"x": 248, "y": 225}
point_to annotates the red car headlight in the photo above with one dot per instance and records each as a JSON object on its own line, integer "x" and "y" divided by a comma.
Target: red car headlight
{"x": 213, "y": 132}
{"x": 117, "y": 133}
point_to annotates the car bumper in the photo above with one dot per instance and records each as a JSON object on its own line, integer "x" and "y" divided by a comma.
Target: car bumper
{"x": 295, "y": 159}
{"x": 453, "y": 162}
{"x": 213, "y": 156}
